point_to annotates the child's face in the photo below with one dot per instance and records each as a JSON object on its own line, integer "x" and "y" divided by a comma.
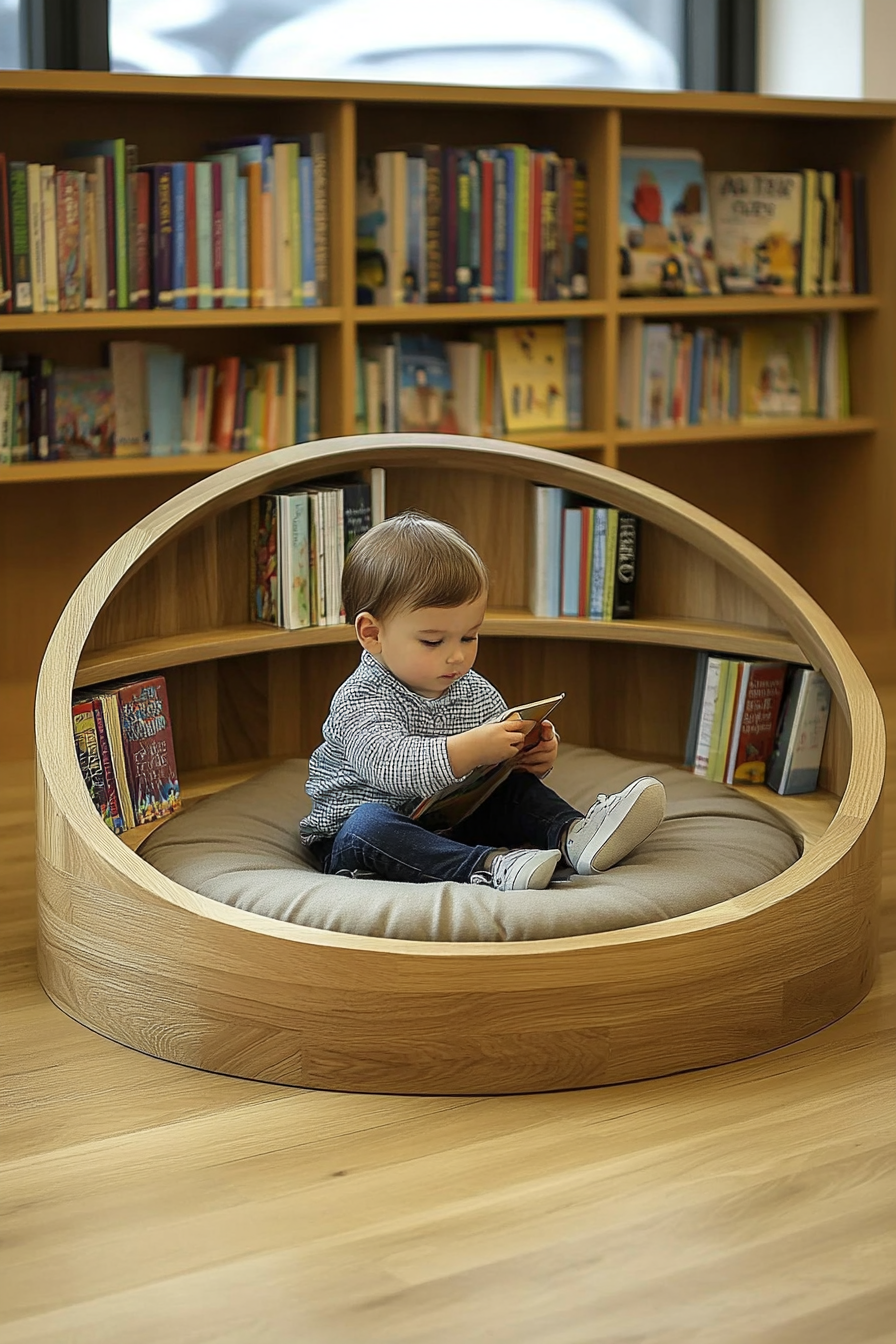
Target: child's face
{"x": 428, "y": 648}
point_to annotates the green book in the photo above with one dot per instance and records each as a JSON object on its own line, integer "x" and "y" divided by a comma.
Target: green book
{"x": 721, "y": 722}
{"x": 610, "y": 562}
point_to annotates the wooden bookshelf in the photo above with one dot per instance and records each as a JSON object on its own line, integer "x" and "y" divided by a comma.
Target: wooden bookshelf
{"x": 816, "y": 495}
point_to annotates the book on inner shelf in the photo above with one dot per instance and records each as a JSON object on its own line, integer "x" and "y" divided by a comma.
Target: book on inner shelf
{"x": 300, "y": 537}
{"x": 796, "y": 760}
{"x": 125, "y": 747}
{"x": 734, "y": 713}
{"x": 583, "y": 557}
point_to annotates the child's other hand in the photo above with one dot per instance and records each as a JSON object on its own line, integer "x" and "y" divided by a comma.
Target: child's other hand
{"x": 490, "y": 744}
{"x": 539, "y": 759}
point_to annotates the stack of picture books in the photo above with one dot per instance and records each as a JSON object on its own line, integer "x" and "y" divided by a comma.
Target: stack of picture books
{"x": 672, "y": 375}
{"x": 447, "y": 224}
{"x": 245, "y": 226}
{"x": 300, "y": 538}
{"x": 147, "y": 402}
{"x": 582, "y": 558}
{"x": 504, "y": 380}
{"x": 755, "y": 722}
{"x": 125, "y": 750}
{"x": 683, "y": 231}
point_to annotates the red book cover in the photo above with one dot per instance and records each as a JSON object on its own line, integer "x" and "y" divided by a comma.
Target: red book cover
{"x": 192, "y": 254}
{"x": 536, "y": 186}
{"x": 217, "y": 236}
{"x": 111, "y": 244}
{"x": 227, "y": 376}
{"x": 144, "y": 279}
{"x": 487, "y": 222}
{"x": 5, "y": 241}
{"x": 755, "y": 721}
{"x": 148, "y": 749}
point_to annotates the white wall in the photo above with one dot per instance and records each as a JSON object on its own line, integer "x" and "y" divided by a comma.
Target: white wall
{"x": 827, "y": 48}
{"x": 811, "y": 48}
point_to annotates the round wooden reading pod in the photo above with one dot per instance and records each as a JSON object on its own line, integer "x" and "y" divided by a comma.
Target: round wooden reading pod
{"x": 134, "y": 956}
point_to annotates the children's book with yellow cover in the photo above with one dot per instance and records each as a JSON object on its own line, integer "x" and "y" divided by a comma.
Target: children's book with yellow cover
{"x": 532, "y": 370}
{"x": 779, "y": 369}
{"x": 757, "y": 223}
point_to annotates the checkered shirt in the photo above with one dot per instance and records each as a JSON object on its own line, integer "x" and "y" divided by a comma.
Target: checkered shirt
{"x": 383, "y": 743}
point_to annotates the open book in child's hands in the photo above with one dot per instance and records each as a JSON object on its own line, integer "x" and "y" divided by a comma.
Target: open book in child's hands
{"x": 443, "y": 810}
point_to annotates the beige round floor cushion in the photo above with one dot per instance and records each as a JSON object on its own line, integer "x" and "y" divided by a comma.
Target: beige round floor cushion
{"x": 242, "y": 847}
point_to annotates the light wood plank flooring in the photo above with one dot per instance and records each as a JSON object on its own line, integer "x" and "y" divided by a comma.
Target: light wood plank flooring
{"x": 143, "y": 1202}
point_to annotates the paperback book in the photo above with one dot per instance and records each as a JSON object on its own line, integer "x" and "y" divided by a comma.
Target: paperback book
{"x": 665, "y": 235}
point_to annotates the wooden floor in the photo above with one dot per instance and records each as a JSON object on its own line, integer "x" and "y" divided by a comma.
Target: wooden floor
{"x": 143, "y": 1202}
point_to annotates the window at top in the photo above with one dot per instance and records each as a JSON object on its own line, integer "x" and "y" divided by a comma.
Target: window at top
{"x": 631, "y": 44}
{"x": 9, "y": 35}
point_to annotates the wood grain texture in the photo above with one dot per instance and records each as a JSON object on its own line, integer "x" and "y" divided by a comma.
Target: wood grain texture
{"x": 146, "y": 962}
{"x": 141, "y": 1201}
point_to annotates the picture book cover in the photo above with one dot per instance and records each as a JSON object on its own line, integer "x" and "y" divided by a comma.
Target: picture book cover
{"x": 84, "y": 413}
{"x": 149, "y": 749}
{"x": 757, "y": 221}
{"x": 778, "y": 371}
{"x": 265, "y": 580}
{"x": 532, "y": 372}
{"x": 425, "y": 398}
{"x": 91, "y": 764}
{"x": 445, "y": 809}
{"x": 665, "y": 235}
{"x": 755, "y": 717}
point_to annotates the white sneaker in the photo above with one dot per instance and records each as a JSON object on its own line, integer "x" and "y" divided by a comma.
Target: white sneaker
{"x": 520, "y": 870}
{"x": 614, "y": 825}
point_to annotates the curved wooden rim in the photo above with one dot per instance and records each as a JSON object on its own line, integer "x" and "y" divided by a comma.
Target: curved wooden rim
{"x": 802, "y": 617}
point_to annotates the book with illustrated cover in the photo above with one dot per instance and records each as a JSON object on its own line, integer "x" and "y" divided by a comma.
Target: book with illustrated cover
{"x": 425, "y": 399}
{"x": 779, "y": 369}
{"x": 665, "y": 235}
{"x": 265, "y": 583}
{"x": 445, "y": 809}
{"x": 757, "y": 692}
{"x": 757, "y": 223}
{"x": 148, "y": 748}
{"x": 95, "y": 761}
{"x": 532, "y": 372}
{"x": 84, "y": 413}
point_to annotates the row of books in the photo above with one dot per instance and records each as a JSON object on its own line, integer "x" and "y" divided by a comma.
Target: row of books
{"x": 300, "y": 538}
{"x": 125, "y": 750}
{"x": 686, "y": 231}
{"x": 671, "y": 375}
{"x": 147, "y": 402}
{"x": 755, "y": 722}
{"x": 245, "y": 226}
{"x": 502, "y": 381}
{"x": 583, "y": 557}
{"x": 449, "y": 224}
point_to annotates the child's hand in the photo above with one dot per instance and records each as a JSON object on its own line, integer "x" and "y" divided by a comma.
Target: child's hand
{"x": 489, "y": 744}
{"x": 540, "y": 757}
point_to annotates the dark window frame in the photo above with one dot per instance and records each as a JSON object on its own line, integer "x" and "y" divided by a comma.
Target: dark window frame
{"x": 720, "y": 45}
{"x": 64, "y": 34}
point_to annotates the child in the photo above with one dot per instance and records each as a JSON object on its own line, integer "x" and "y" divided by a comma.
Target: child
{"x": 414, "y": 718}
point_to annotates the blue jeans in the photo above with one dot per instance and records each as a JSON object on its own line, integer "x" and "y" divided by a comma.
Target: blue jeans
{"x": 522, "y": 813}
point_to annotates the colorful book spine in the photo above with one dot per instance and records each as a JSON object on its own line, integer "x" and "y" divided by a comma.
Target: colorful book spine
{"x": 22, "y": 293}
{"x": 308, "y": 249}
{"x": 179, "y": 235}
{"x": 321, "y": 213}
{"x": 218, "y": 259}
{"x": 204, "y": 235}
{"x": 191, "y": 239}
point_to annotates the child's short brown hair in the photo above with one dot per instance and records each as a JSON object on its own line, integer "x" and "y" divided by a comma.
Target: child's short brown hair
{"x": 407, "y": 562}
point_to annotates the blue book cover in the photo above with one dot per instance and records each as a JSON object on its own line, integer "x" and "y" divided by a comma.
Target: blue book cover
{"x": 241, "y": 298}
{"x": 544, "y": 551}
{"x": 574, "y": 390}
{"x": 164, "y": 387}
{"x": 307, "y": 393}
{"x": 229, "y": 174}
{"x": 204, "y": 233}
{"x": 416, "y": 227}
{"x": 665, "y": 235}
{"x": 423, "y": 377}
{"x": 598, "y": 564}
{"x": 306, "y": 205}
{"x": 571, "y": 562}
{"x": 179, "y": 234}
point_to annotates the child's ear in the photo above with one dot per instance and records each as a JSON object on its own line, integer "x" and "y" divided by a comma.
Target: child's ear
{"x": 367, "y": 628}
